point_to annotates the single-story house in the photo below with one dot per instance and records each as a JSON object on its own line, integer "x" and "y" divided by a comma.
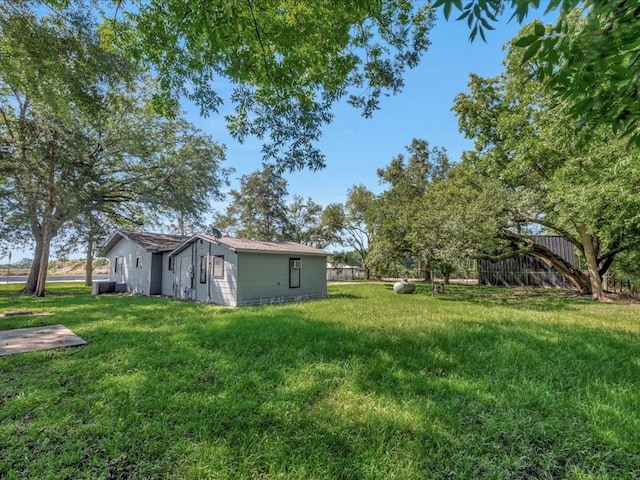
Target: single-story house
{"x": 140, "y": 261}
{"x": 216, "y": 269}
{"x": 235, "y": 271}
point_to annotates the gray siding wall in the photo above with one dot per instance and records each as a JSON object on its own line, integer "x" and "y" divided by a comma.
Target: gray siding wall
{"x": 138, "y": 280}
{"x": 167, "y": 276}
{"x": 264, "y": 278}
{"x": 221, "y": 291}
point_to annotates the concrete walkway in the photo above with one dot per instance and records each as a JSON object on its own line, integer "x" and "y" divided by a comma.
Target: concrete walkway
{"x": 20, "y": 340}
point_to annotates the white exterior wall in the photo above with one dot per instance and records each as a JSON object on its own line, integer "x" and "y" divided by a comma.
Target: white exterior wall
{"x": 221, "y": 291}
{"x": 264, "y": 277}
{"x": 167, "y": 276}
{"x": 138, "y": 280}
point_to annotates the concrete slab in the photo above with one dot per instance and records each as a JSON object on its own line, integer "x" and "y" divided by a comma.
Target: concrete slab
{"x": 20, "y": 340}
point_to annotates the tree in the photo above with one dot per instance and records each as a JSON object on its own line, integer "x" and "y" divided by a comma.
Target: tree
{"x": 458, "y": 218}
{"x": 403, "y": 202}
{"x": 289, "y": 62}
{"x": 258, "y": 210}
{"x": 108, "y": 154}
{"x": 51, "y": 65}
{"x": 85, "y": 232}
{"x": 343, "y": 258}
{"x": 579, "y": 184}
{"x": 589, "y": 58}
{"x": 352, "y": 222}
{"x": 305, "y": 224}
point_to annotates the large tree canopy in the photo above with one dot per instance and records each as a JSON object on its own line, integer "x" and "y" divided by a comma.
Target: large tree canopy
{"x": 580, "y": 184}
{"x": 79, "y": 141}
{"x": 589, "y": 58}
{"x": 287, "y": 61}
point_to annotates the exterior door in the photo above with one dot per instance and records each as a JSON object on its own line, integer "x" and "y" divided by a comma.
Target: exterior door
{"x": 184, "y": 282}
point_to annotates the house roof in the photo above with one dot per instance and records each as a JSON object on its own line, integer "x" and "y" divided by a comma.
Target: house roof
{"x": 244, "y": 245}
{"x": 151, "y": 242}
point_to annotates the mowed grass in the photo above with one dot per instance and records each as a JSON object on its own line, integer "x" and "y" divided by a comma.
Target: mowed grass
{"x": 473, "y": 383}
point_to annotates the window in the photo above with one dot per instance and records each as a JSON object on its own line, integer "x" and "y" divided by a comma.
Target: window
{"x": 218, "y": 266}
{"x": 171, "y": 260}
{"x": 203, "y": 269}
{"x": 138, "y": 262}
{"x": 117, "y": 264}
{"x": 295, "y": 266}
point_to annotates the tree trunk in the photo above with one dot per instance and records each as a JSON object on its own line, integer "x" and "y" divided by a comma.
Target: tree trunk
{"x": 44, "y": 259}
{"x": 88, "y": 267}
{"x": 590, "y": 245}
{"x": 571, "y": 273}
{"x": 575, "y": 276}
{"x": 32, "y": 280}
{"x": 427, "y": 272}
{"x": 447, "y": 278}
{"x": 48, "y": 231}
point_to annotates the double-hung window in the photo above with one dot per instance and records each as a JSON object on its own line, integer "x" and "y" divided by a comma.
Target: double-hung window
{"x": 217, "y": 266}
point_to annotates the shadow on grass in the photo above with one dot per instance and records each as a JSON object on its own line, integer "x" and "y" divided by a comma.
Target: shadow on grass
{"x": 521, "y": 298}
{"x": 193, "y": 391}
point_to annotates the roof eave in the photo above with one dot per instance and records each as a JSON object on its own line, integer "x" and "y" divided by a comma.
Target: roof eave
{"x": 282, "y": 252}
{"x": 190, "y": 240}
{"x": 111, "y": 242}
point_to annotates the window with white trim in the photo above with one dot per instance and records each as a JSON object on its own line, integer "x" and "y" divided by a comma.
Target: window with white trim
{"x": 217, "y": 266}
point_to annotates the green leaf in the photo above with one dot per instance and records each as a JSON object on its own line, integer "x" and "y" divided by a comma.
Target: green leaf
{"x": 526, "y": 41}
{"x": 539, "y": 29}
{"x": 447, "y": 10}
{"x": 474, "y": 33}
{"x": 481, "y": 30}
{"x": 486, "y": 24}
{"x": 470, "y": 19}
{"x": 531, "y": 51}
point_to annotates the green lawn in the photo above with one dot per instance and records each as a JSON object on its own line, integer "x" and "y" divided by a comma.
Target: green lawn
{"x": 474, "y": 383}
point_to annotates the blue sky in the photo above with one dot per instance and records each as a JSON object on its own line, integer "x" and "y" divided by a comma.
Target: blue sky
{"x": 354, "y": 146}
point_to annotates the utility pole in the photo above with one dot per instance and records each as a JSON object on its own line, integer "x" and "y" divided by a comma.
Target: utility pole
{"x": 9, "y": 266}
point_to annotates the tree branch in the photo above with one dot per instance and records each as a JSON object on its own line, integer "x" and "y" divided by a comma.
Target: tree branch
{"x": 259, "y": 37}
